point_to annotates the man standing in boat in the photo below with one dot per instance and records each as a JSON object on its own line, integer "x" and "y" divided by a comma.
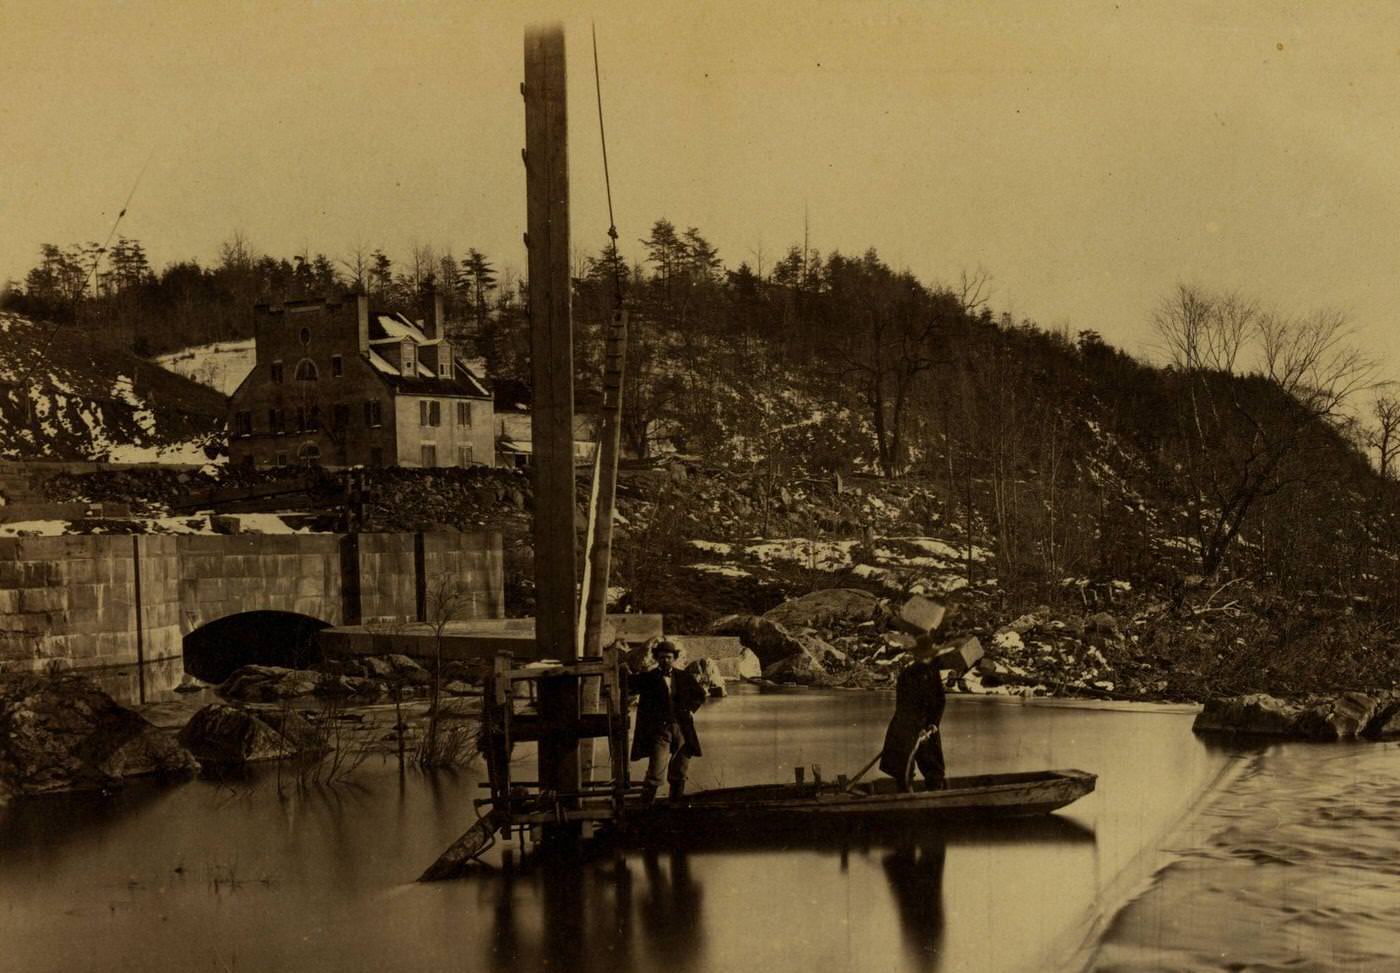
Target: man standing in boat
{"x": 912, "y": 737}
{"x": 667, "y": 698}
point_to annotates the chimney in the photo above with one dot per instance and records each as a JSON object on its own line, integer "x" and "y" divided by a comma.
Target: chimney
{"x": 362, "y": 321}
{"x": 432, "y": 313}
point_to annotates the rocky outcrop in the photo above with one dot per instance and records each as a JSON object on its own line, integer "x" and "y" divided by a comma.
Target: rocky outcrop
{"x": 1342, "y": 718}
{"x": 1345, "y": 716}
{"x": 826, "y": 608}
{"x": 226, "y": 736}
{"x": 772, "y": 641}
{"x": 1256, "y": 713}
{"x": 65, "y": 733}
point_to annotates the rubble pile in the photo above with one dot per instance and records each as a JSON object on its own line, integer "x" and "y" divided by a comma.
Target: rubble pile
{"x": 358, "y": 679}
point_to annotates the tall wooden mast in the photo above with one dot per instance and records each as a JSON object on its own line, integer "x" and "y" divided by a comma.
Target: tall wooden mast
{"x": 552, "y": 393}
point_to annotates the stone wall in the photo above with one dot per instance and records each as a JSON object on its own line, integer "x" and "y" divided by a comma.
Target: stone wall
{"x": 120, "y": 600}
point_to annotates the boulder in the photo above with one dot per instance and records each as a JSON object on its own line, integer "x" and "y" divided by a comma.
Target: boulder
{"x": 268, "y": 684}
{"x": 377, "y": 667}
{"x": 296, "y": 729}
{"x": 65, "y": 733}
{"x": 408, "y": 669}
{"x": 770, "y": 640}
{"x": 1340, "y": 718}
{"x": 1257, "y": 713}
{"x": 228, "y": 736}
{"x": 1386, "y": 722}
{"x": 707, "y": 674}
{"x": 801, "y": 668}
{"x": 748, "y": 666}
{"x": 826, "y": 608}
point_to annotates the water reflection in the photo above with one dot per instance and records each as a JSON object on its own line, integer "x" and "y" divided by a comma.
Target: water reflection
{"x": 609, "y": 907}
{"x": 341, "y": 863}
{"x": 915, "y": 872}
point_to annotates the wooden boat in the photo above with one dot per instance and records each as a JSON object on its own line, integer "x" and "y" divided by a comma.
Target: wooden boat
{"x": 878, "y": 805}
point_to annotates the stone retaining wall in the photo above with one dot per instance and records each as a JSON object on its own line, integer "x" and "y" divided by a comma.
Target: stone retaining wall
{"x": 120, "y": 600}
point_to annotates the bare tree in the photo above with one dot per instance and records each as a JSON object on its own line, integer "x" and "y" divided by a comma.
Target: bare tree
{"x": 1260, "y": 390}
{"x": 447, "y": 599}
{"x": 1384, "y": 436}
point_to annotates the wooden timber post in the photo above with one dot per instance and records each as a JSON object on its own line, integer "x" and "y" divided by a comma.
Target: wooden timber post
{"x": 605, "y": 489}
{"x": 552, "y": 396}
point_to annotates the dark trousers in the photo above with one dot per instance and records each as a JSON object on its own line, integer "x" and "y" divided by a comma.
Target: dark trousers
{"x": 929, "y": 760}
{"x": 667, "y": 760}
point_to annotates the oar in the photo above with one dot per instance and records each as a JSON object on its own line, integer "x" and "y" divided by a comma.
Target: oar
{"x": 863, "y": 771}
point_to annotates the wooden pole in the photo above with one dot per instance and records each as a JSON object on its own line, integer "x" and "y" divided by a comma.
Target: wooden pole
{"x": 603, "y": 500}
{"x": 552, "y": 394}
{"x": 609, "y": 445}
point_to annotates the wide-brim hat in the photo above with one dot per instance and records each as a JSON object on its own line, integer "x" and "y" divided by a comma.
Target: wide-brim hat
{"x": 925, "y": 648}
{"x": 666, "y": 645}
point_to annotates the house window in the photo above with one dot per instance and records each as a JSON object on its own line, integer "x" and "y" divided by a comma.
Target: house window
{"x": 242, "y": 423}
{"x": 445, "y": 369}
{"x": 429, "y": 412}
{"x": 281, "y": 459}
{"x": 337, "y": 366}
{"x": 409, "y": 359}
{"x": 313, "y": 418}
{"x": 374, "y": 415}
{"x": 301, "y": 418}
{"x": 304, "y": 335}
{"x": 429, "y": 454}
{"x": 464, "y": 413}
{"x": 277, "y": 373}
{"x": 306, "y": 371}
{"x": 376, "y": 456}
{"x": 464, "y": 456}
{"x": 309, "y": 454}
{"x": 276, "y": 422}
{"x": 340, "y": 417}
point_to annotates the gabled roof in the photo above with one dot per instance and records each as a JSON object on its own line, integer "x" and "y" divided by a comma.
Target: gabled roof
{"x": 384, "y": 325}
{"x": 462, "y": 382}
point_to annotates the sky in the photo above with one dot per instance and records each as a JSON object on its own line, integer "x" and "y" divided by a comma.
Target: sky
{"x": 1087, "y": 156}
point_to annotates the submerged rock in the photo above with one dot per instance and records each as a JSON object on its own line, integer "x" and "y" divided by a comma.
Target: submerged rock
{"x": 67, "y": 734}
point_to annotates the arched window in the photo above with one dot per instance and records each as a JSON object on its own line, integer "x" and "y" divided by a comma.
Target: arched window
{"x": 306, "y": 371}
{"x": 309, "y": 454}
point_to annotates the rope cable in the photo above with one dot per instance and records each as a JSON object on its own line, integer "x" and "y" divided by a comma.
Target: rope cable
{"x": 607, "y": 178}
{"x": 92, "y": 273}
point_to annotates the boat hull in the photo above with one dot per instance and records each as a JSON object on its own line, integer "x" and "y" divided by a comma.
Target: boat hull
{"x": 873, "y": 808}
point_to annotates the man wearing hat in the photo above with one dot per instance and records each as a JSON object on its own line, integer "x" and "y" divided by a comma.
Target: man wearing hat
{"x": 665, "y": 735}
{"x": 913, "y": 730}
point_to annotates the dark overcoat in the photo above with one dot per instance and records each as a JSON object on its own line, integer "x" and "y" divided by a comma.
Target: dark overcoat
{"x": 657, "y": 709}
{"x": 918, "y": 705}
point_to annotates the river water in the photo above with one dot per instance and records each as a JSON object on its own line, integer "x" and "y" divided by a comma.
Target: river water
{"x": 233, "y": 876}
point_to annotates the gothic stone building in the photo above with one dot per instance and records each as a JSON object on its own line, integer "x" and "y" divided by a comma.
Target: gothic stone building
{"x": 337, "y": 384}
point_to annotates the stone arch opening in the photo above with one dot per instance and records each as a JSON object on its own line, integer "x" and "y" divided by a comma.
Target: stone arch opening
{"x": 267, "y": 638}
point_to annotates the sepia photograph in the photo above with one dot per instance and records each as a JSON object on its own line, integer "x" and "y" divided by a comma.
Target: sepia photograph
{"x": 878, "y": 486}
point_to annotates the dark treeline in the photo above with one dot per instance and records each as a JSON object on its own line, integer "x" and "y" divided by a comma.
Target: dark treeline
{"x": 1057, "y": 452}
{"x": 116, "y": 295}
